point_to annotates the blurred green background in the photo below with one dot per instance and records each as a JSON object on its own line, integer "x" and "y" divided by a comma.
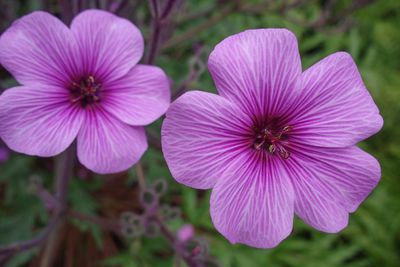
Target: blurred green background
{"x": 370, "y": 34}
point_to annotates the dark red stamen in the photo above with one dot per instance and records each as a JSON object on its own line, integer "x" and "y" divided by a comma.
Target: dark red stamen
{"x": 271, "y": 139}
{"x": 86, "y": 91}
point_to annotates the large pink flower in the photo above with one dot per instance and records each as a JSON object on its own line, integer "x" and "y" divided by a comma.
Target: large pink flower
{"x": 276, "y": 141}
{"x": 84, "y": 82}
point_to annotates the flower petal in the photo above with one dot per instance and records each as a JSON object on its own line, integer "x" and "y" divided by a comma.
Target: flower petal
{"x": 110, "y": 46}
{"x": 39, "y": 48}
{"x": 257, "y": 68}
{"x": 139, "y": 97}
{"x": 252, "y": 203}
{"x": 200, "y": 136}
{"x": 334, "y": 107}
{"x": 107, "y": 145}
{"x": 331, "y": 182}
{"x": 38, "y": 120}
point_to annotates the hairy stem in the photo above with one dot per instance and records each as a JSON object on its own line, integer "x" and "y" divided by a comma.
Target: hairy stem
{"x": 140, "y": 176}
{"x": 66, "y": 11}
{"x": 63, "y": 171}
{"x": 64, "y": 165}
{"x": 172, "y": 240}
{"x": 154, "y": 139}
{"x": 157, "y": 25}
{"x": 37, "y": 241}
{"x": 104, "y": 223}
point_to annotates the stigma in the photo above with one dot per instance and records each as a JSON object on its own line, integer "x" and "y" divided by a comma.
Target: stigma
{"x": 270, "y": 139}
{"x": 85, "y": 91}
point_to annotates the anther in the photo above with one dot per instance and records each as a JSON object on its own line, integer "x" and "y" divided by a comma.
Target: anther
{"x": 269, "y": 138}
{"x": 271, "y": 149}
{"x": 85, "y": 91}
{"x": 286, "y": 154}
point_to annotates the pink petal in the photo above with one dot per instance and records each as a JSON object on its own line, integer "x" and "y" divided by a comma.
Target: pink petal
{"x": 107, "y": 145}
{"x": 200, "y": 137}
{"x": 334, "y": 108}
{"x": 252, "y": 203}
{"x": 39, "y": 48}
{"x": 109, "y": 45}
{"x": 38, "y": 120}
{"x": 331, "y": 182}
{"x": 140, "y": 97}
{"x": 257, "y": 68}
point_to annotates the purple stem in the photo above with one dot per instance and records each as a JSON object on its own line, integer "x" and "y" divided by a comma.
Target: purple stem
{"x": 154, "y": 139}
{"x": 63, "y": 171}
{"x": 37, "y": 241}
{"x": 75, "y": 6}
{"x": 167, "y": 9}
{"x": 45, "y": 5}
{"x": 120, "y": 6}
{"x": 97, "y": 4}
{"x": 174, "y": 242}
{"x": 64, "y": 165}
{"x": 154, "y": 8}
{"x": 154, "y": 40}
{"x": 48, "y": 199}
{"x": 108, "y": 224}
{"x": 157, "y": 25}
{"x": 194, "y": 74}
{"x": 66, "y": 11}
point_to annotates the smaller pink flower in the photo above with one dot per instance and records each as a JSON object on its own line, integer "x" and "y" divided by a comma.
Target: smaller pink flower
{"x": 80, "y": 82}
{"x": 186, "y": 232}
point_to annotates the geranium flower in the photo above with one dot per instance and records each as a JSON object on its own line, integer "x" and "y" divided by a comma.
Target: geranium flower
{"x": 276, "y": 141}
{"x": 84, "y": 82}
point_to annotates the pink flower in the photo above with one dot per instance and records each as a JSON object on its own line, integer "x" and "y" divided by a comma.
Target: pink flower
{"x": 276, "y": 141}
{"x": 186, "y": 232}
{"x": 80, "y": 82}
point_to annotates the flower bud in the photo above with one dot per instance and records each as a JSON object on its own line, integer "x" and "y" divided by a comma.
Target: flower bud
{"x": 159, "y": 186}
{"x": 186, "y": 232}
{"x": 151, "y": 229}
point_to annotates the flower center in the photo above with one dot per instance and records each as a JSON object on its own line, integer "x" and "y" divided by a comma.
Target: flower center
{"x": 86, "y": 91}
{"x": 271, "y": 139}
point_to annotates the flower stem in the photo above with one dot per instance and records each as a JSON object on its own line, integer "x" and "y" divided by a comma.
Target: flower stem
{"x": 37, "y": 241}
{"x": 140, "y": 176}
{"x": 157, "y": 25}
{"x": 64, "y": 165}
{"x": 104, "y": 223}
{"x": 63, "y": 171}
{"x": 173, "y": 241}
{"x": 117, "y": 8}
{"x": 66, "y": 11}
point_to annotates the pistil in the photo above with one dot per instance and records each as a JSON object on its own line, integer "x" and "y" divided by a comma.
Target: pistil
{"x": 270, "y": 139}
{"x": 86, "y": 91}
